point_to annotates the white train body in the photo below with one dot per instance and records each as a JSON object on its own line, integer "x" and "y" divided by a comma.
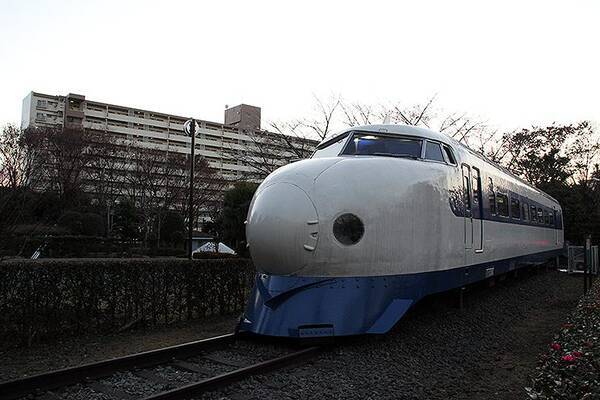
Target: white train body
{"x": 406, "y": 225}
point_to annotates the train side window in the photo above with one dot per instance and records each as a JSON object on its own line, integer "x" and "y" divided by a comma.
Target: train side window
{"x": 552, "y": 218}
{"x": 525, "y": 211}
{"x": 515, "y": 208}
{"x": 558, "y": 219}
{"x": 475, "y": 186}
{"x": 546, "y": 219}
{"x": 467, "y": 197}
{"x": 540, "y": 216}
{"x": 449, "y": 155}
{"x": 433, "y": 151}
{"x": 533, "y": 214}
{"x": 502, "y": 204}
{"x": 492, "y": 197}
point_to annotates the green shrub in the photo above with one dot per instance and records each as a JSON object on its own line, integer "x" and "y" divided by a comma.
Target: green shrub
{"x": 43, "y": 299}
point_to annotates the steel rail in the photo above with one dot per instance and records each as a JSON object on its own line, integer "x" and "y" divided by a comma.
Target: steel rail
{"x": 68, "y": 376}
{"x": 227, "y": 378}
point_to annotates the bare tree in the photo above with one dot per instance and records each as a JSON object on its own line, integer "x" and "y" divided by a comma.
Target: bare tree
{"x": 16, "y": 161}
{"x": 584, "y": 150}
{"x": 208, "y": 187}
{"x": 145, "y": 182}
{"x": 105, "y": 175}
{"x": 458, "y": 126}
{"x": 158, "y": 182}
{"x": 265, "y": 151}
{"x": 62, "y": 156}
{"x": 16, "y": 166}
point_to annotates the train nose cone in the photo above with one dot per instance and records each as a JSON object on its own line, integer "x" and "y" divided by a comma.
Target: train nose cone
{"x": 282, "y": 229}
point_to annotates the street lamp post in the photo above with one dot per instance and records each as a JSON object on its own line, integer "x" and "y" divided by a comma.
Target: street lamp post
{"x": 190, "y": 128}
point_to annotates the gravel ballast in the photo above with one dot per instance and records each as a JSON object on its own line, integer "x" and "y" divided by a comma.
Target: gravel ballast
{"x": 20, "y": 362}
{"x": 485, "y": 351}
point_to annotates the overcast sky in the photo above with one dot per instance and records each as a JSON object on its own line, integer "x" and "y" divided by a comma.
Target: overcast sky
{"x": 511, "y": 63}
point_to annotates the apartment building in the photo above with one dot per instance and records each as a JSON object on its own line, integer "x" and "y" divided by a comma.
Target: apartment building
{"x": 217, "y": 142}
{"x": 233, "y": 147}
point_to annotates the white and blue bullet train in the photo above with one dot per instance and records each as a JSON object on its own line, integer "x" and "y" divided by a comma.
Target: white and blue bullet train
{"x": 345, "y": 242}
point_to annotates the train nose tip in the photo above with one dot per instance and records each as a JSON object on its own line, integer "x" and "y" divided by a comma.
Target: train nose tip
{"x": 282, "y": 229}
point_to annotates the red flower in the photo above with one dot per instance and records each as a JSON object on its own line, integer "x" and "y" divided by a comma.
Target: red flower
{"x": 569, "y": 358}
{"x": 577, "y": 354}
{"x": 555, "y": 346}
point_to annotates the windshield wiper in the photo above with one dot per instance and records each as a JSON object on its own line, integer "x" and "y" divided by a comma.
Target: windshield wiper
{"x": 401, "y": 155}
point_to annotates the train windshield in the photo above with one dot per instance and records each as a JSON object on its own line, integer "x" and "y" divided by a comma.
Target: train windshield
{"x": 381, "y": 145}
{"x": 332, "y": 147}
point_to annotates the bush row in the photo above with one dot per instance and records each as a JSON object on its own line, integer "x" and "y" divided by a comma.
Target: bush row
{"x": 41, "y": 299}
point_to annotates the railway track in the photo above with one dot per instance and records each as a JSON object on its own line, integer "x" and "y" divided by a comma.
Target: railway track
{"x": 176, "y": 372}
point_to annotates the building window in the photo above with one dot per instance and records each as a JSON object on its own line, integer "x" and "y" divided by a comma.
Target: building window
{"x": 515, "y": 208}
{"x": 502, "y": 204}
{"x": 492, "y": 197}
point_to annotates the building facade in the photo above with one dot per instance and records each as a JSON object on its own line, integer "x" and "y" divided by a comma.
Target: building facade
{"x": 224, "y": 145}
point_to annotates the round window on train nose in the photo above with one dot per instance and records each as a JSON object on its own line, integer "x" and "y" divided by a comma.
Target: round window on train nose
{"x": 348, "y": 229}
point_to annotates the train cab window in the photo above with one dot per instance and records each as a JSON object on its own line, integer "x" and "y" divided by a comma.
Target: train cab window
{"x": 533, "y": 214}
{"x": 492, "y": 197}
{"x": 330, "y": 148}
{"x": 515, "y": 208}
{"x": 502, "y": 204}
{"x": 368, "y": 144}
{"x": 433, "y": 151}
{"x": 552, "y": 218}
{"x": 449, "y": 155}
{"x": 525, "y": 212}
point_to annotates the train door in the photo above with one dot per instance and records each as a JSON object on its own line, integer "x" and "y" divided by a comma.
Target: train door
{"x": 477, "y": 211}
{"x": 468, "y": 210}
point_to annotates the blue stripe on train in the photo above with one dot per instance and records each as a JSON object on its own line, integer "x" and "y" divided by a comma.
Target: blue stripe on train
{"x": 312, "y": 306}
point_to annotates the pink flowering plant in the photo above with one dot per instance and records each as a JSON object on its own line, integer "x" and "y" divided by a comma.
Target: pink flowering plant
{"x": 569, "y": 368}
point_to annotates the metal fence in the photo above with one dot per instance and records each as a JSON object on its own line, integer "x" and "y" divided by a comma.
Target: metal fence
{"x": 576, "y": 256}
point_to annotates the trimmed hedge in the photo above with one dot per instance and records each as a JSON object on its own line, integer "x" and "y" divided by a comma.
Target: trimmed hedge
{"x": 42, "y": 299}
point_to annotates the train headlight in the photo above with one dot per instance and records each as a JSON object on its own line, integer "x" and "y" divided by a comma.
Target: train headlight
{"x": 348, "y": 229}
